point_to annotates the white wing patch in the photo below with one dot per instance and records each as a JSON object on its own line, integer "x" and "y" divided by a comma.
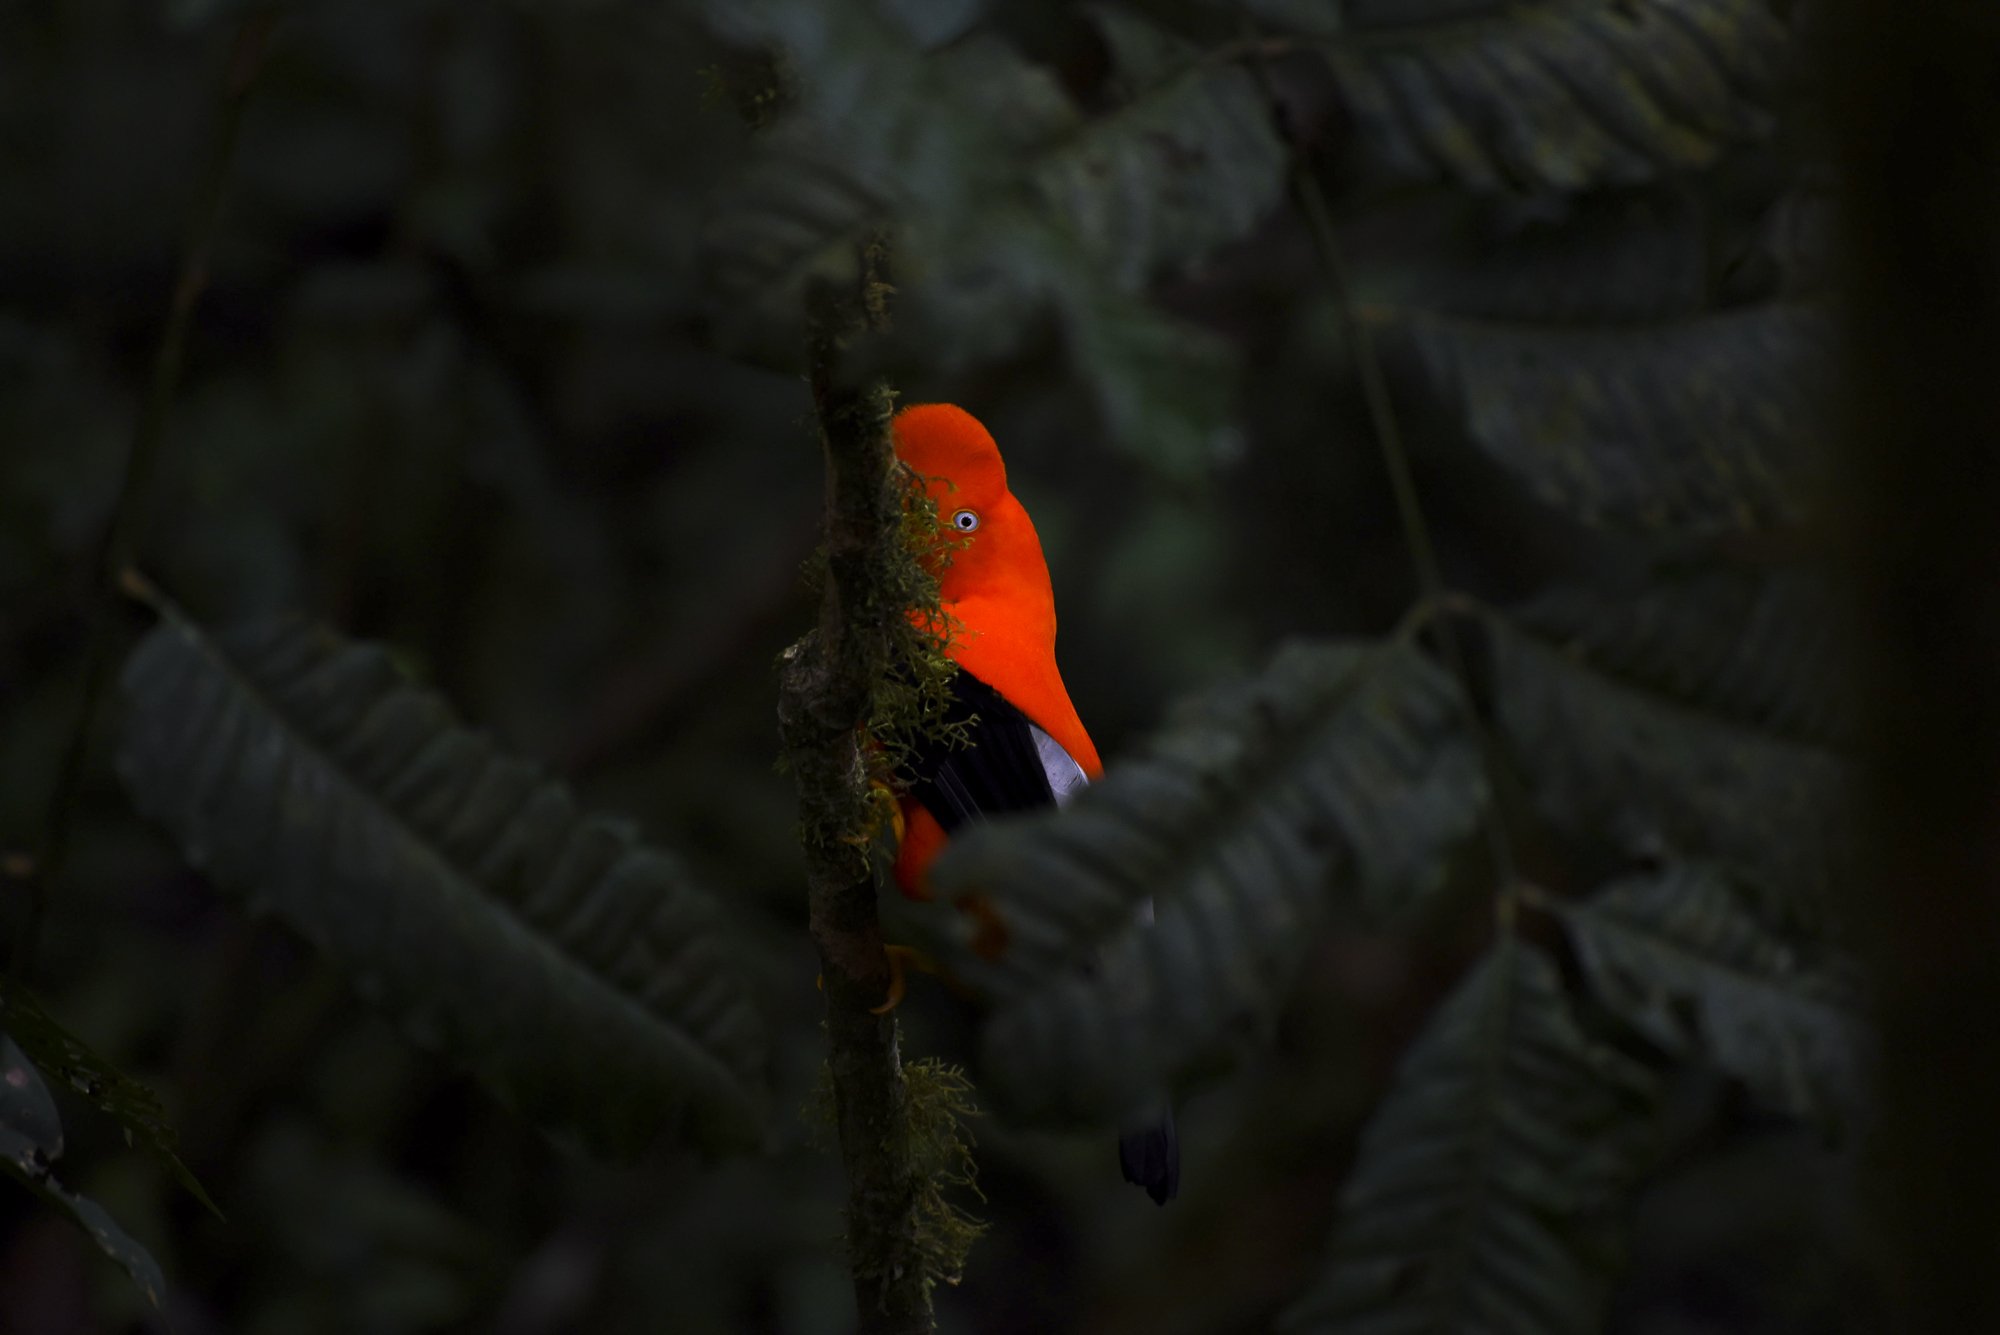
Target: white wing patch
{"x": 1066, "y": 777}
{"x": 1066, "y": 780}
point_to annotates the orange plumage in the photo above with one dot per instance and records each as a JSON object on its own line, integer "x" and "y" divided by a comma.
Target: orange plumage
{"x": 997, "y": 590}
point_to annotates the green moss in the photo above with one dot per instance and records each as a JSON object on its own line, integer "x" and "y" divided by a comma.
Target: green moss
{"x": 941, "y": 1104}
{"x": 913, "y": 692}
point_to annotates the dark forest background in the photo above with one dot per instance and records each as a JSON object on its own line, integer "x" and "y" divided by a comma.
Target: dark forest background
{"x": 493, "y": 357}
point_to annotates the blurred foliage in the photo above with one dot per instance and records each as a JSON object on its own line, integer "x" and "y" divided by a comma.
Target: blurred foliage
{"x": 1676, "y": 956}
{"x": 585, "y": 977}
{"x": 1342, "y": 769}
{"x": 31, "y": 1140}
{"x": 495, "y": 367}
{"x": 1481, "y": 1193}
{"x": 53, "y": 1050}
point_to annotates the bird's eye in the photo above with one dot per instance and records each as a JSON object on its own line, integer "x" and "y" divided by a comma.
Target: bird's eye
{"x": 965, "y": 521}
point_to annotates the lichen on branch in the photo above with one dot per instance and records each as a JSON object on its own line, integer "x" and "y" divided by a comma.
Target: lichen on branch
{"x": 941, "y": 1103}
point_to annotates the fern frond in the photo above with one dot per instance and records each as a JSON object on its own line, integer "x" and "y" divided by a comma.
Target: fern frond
{"x": 1651, "y": 730}
{"x": 1187, "y": 162}
{"x": 1563, "y": 95}
{"x": 1487, "y": 1190}
{"x": 581, "y": 974}
{"x": 1693, "y": 428}
{"x": 1010, "y": 209}
{"x": 1610, "y": 258}
{"x": 1154, "y": 926}
{"x": 1678, "y": 957}
{"x": 1765, "y": 648}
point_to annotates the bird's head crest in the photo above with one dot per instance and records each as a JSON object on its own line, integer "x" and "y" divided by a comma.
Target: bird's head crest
{"x": 944, "y": 442}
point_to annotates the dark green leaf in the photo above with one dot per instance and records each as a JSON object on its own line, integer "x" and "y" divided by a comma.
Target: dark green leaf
{"x": 1798, "y": 238}
{"x": 881, "y": 132}
{"x": 1008, "y": 210}
{"x": 1342, "y": 774}
{"x": 1610, "y": 257}
{"x": 203, "y": 13}
{"x": 1188, "y": 162}
{"x": 578, "y": 972}
{"x": 785, "y": 223}
{"x": 1563, "y": 95}
{"x": 65, "y": 1056}
{"x": 1313, "y": 18}
{"x": 882, "y": 135}
{"x": 31, "y": 1142}
{"x": 26, "y": 1107}
{"x": 1630, "y": 744}
{"x": 1695, "y": 428}
{"x": 1165, "y": 387}
{"x": 931, "y": 23}
{"x": 1677, "y": 956}
{"x": 1765, "y": 648}
{"x": 1487, "y": 1190}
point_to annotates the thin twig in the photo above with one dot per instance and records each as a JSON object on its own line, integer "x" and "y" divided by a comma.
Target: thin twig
{"x": 125, "y": 530}
{"x": 1432, "y": 590}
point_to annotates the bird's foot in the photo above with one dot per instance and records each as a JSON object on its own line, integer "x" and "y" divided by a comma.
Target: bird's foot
{"x": 885, "y": 813}
{"x": 901, "y": 960}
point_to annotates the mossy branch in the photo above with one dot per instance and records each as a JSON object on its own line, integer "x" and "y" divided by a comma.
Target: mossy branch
{"x": 834, "y": 684}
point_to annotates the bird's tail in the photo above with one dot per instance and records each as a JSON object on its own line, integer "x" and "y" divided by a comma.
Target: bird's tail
{"x": 1151, "y": 1157}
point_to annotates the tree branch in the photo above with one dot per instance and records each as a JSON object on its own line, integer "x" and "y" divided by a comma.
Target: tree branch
{"x": 828, "y": 683}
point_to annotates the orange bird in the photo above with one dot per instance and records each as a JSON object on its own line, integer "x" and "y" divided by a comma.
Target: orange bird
{"x": 1029, "y": 749}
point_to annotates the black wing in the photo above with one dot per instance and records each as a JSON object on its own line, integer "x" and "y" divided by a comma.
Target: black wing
{"x": 1000, "y": 772}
